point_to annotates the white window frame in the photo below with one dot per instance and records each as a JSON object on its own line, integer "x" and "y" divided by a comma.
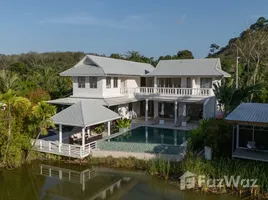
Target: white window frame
{"x": 81, "y": 82}
{"x": 93, "y": 82}
{"x": 115, "y": 82}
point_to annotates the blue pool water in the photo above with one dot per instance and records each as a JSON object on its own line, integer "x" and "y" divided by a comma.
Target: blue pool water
{"x": 152, "y": 135}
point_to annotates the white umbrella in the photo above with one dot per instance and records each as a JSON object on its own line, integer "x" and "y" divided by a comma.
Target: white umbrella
{"x": 162, "y": 109}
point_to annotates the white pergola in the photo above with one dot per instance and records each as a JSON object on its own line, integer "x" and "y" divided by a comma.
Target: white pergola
{"x": 84, "y": 114}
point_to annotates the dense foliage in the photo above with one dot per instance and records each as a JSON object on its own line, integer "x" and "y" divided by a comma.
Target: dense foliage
{"x": 251, "y": 46}
{"x": 20, "y": 120}
{"x": 215, "y": 133}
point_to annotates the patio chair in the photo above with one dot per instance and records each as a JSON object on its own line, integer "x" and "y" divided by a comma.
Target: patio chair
{"x": 251, "y": 145}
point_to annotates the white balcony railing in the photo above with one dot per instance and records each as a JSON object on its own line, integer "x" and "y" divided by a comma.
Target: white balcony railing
{"x": 167, "y": 91}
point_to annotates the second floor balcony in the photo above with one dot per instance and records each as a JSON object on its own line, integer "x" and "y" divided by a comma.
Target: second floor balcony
{"x": 166, "y": 91}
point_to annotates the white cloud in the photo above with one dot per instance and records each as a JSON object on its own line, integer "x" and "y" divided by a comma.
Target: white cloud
{"x": 129, "y": 22}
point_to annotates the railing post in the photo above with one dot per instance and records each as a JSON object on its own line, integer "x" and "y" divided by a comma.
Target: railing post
{"x": 49, "y": 145}
{"x": 40, "y": 141}
{"x": 69, "y": 150}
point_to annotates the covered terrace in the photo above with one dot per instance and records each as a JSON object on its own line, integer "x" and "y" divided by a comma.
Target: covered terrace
{"x": 250, "y": 131}
{"x": 81, "y": 115}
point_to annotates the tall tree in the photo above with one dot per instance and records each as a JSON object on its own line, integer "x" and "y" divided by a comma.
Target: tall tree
{"x": 230, "y": 97}
{"x": 8, "y": 80}
{"x": 185, "y": 54}
{"x": 14, "y": 105}
{"x": 41, "y": 120}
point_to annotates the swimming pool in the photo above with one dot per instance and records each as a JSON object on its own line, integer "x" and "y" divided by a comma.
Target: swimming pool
{"x": 152, "y": 135}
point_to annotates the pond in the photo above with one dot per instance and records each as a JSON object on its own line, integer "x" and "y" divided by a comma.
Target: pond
{"x": 51, "y": 182}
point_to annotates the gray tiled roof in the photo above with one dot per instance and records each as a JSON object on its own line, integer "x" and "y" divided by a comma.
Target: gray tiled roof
{"x": 189, "y": 67}
{"x": 102, "y": 101}
{"x": 84, "y": 70}
{"x": 250, "y": 112}
{"x": 84, "y": 113}
{"x": 99, "y": 66}
{"x": 123, "y": 67}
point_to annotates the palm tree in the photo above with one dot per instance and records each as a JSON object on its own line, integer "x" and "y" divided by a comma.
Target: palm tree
{"x": 8, "y": 80}
{"x": 46, "y": 78}
{"x": 41, "y": 120}
{"x": 13, "y": 105}
{"x": 230, "y": 97}
{"x": 133, "y": 55}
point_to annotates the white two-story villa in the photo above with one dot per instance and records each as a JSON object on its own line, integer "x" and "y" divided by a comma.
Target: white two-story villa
{"x": 105, "y": 89}
{"x": 126, "y": 86}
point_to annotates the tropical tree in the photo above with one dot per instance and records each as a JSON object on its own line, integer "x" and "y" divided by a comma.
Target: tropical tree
{"x": 185, "y": 54}
{"x": 230, "y": 97}
{"x": 8, "y": 80}
{"x": 46, "y": 78}
{"x": 41, "y": 120}
{"x": 14, "y": 106}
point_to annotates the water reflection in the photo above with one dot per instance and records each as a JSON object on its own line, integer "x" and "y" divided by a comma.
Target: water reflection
{"x": 49, "y": 182}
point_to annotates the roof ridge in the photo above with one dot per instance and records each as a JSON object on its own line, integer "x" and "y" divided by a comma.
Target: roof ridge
{"x": 130, "y": 61}
{"x": 82, "y": 112}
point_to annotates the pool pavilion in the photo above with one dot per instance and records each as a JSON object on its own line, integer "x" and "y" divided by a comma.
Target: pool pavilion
{"x": 250, "y": 131}
{"x": 79, "y": 142}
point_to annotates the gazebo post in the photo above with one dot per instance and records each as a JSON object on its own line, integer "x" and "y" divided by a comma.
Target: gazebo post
{"x": 109, "y": 128}
{"x": 237, "y": 135}
{"x": 60, "y": 137}
{"x": 83, "y": 139}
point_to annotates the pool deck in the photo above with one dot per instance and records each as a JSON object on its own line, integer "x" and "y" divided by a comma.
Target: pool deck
{"x": 168, "y": 123}
{"x": 166, "y": 152}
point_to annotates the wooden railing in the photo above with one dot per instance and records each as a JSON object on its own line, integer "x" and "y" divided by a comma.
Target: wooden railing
{"x": 70, "y": 150}
{"x": 168, "y": 91}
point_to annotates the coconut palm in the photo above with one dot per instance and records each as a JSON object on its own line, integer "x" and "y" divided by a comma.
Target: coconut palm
{"x": 13, "y": 105}
{"x": 46, "y": 78}
{"x": 8, "y": 80}
{"x": 41, "y": 120}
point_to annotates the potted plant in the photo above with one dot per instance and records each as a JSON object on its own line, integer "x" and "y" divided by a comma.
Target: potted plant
{"x": 98, "y": 128}
{"x": 123, "y": 124}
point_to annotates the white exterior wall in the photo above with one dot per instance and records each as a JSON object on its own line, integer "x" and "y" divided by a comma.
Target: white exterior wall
{"x": 133, "y": 82}
{"x": 209, "y": 108}
{"x": 101, "y": 90}
{"x": 111, "y": 92}
{"x": 87, "y": 92}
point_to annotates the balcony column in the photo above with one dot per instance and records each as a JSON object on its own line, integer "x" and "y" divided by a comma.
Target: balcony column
{"x": 155, "y": 84}
{"x": 83, "y": 138}
{"x": 60, "y": 137}
{"x": 146, "y": 110}
{"x": 175, "y": 111}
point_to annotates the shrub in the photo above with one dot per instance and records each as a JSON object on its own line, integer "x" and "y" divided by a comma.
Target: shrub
{"x": 98, "y": 128}
{"x": 215, "y": 133}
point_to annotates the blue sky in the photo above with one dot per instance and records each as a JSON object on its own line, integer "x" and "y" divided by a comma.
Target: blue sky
{"x": 152, "y": 27}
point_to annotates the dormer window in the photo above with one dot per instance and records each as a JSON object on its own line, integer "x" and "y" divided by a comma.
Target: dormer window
{"x": 81, "y": 82}
{"x": 108, "y": 82}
